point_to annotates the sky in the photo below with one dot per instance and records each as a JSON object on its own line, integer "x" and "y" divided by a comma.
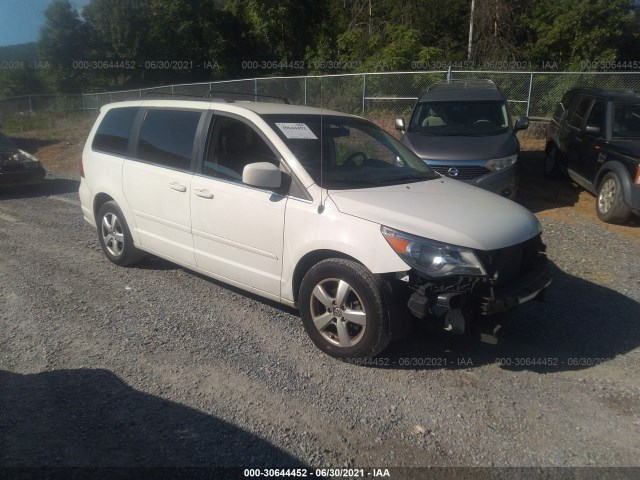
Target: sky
{"x": 20, "y": 20}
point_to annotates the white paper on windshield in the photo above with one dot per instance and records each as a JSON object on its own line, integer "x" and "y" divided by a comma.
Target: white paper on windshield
{"x": 296, "y": 130}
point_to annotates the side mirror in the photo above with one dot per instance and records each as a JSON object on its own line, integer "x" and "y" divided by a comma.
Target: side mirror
{"x": 593, "y": 129}
{"x": 262, "y": 175}
{"x": 521, "y": 124}
{"x": 400, "y": 124}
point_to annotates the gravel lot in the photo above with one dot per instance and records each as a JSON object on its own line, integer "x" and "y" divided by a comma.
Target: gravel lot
{"x": 157, "y": 366}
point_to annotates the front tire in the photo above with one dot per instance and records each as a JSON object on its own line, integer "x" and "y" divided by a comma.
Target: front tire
{"x": 114, "y": 236}
{"x": 610, "y": 205}
{"x": 343, "y": 309}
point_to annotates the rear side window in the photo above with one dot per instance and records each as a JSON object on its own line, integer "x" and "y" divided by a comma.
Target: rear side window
{"x": 580, "y": 112}
{"x": 596, "y": 116}
{"x": 167, "y": 137}
{"x": 113, "y": 133}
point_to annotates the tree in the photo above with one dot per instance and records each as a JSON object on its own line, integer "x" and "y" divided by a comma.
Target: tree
{"x": 572, "y": 32}
{"x": 280, "y": 30}
{"x": 62, "y": 40}
{"x": 117, "y": 32}
{"x": 493, "y": 30}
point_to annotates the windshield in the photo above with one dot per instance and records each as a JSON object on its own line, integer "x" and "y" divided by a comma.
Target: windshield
{"x": 626, "y": 120}
{"x": 464, "y": 118}
{"x": 354, "y": 152}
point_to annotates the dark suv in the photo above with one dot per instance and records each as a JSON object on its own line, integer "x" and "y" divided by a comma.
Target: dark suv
{"x": 462, "y": 129}
{"x": 594, "y": 138}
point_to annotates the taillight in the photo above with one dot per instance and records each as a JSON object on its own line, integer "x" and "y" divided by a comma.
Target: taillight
{"x": 81, "y": 168}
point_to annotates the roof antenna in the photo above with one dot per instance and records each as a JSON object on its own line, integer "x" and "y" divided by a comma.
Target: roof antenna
{"x": 321, "y": 206}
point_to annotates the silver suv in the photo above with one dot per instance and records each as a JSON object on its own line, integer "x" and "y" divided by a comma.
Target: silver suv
{"x": 463, "y": 130}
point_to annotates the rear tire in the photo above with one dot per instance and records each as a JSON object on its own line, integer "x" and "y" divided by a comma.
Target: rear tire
{"x": 114, "y": 236}
{"x": 343, "y": 309}
{"x": 610, "y": 205}
{"x": 552, "y": 167}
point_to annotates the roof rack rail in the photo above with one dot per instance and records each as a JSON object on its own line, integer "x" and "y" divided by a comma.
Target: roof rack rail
{"x": 214, "y": 92}
{"x": 169, "y": 94}
{"x": 210, "y": 96}
{"x": 467, "y": 81}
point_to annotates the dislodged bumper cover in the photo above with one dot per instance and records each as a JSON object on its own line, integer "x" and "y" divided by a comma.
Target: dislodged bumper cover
{"x": 530, "y": 286}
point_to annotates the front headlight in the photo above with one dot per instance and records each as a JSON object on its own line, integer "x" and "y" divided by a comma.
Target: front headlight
{"x": 496, "y": 164}
{"x": 434, "y": 259}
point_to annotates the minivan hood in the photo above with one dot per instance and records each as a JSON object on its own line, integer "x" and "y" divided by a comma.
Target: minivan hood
{"x": 444, "y": 210}
{"x": 448, "y": 148}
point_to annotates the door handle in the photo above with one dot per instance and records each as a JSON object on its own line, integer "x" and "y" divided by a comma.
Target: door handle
{"x": 178, "y": 187}
{"x": 203, "y": 192}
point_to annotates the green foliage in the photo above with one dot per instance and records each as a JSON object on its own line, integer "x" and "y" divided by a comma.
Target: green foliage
{"x": 62, "y": 38}
{"x": 161, "y": 42}
{"x": 28, "y": 121}
{"x": 574, "y": 32}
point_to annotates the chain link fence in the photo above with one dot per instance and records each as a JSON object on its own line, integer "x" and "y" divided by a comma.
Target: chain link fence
{"x": 534, "y": 94}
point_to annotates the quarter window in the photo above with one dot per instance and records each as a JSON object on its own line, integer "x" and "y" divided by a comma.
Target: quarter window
{"x": 167, "y": 137}
{"x": 580, "y": 112}
{"x": 113, "y": 133}
{"x": 626, "y": 120}
{"x": 596, "y": 116}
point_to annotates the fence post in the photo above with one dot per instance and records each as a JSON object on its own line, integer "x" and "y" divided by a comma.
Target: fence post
{"x": 255, "y": 89}
{"x": 529, "y": 96}
{"x": 30, "y": 105}
{"x": 305, "y": 91}
{"x": 449, "y": 74}
{"x": 364, "y": 90}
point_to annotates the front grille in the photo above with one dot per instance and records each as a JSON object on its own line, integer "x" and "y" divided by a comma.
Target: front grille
{"x": 465, "y": 172}
{"x": 512, "y": 263}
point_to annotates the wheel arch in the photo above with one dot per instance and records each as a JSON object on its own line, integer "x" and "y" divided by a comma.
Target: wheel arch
{"x": 309, "y": 260}
{"x": 99, "y": 200}
{"x": 551, "y": 144}
{"x": 620, "y": 170}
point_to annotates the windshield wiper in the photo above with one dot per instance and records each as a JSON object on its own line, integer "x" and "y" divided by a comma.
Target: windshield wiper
{"x": 403, "y": 178}
{"x": 355, "y": 181}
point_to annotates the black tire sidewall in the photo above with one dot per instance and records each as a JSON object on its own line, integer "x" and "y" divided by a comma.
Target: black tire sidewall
{"x": 554, "y": 171}
{"x": 619, "y": 212}
{"x": 376, "y": 335}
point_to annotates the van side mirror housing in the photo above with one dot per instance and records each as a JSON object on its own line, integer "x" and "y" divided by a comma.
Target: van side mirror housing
{"x": 521, "y": 124}
{"x": 262, "y": 175}
{"x": 593, "y": 129}
{"x": 400, "y": 124}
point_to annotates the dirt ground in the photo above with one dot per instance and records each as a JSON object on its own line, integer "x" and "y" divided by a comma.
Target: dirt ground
{"x": 560, "y": 200}
{"x": 60, "y": 147}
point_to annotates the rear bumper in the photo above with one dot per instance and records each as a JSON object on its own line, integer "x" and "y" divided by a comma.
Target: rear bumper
{"x": 22, "y": 177}
{"x": 634, "y": 199}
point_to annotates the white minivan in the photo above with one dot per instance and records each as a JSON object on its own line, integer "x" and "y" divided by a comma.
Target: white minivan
{"x": 313, "y": 208}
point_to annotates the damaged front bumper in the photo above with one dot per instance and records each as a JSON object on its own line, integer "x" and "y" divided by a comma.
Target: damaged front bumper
{"x": 516, "y": 275}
